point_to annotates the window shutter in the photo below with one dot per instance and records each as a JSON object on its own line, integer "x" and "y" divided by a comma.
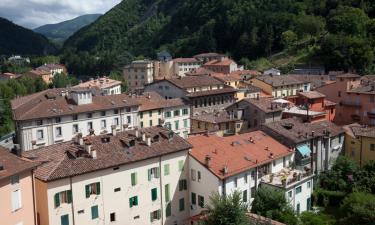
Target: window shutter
{"x": 180, "y": 185}
{"x": 185, "y": 184}
{"x": 157, "y": 172}
{"x": 154, "y": 194}
{"x": 149, "y": 174}
{"x": 167, "y": 199}
{"x": 57, "y": 200}
{"x": 136, "y": 200}
{"x": 130, "y": 202}
{"x": 151, "y": 219}
{"x": 159, "y": 216}
{"x": 166, "y": 169}
{"x": 98, "y": 188}
{"x": 133, "y": 179}
{"x": 87, "y": 187}
{"x": 69, "y": 196}
{"x": 193, "y": 198}
{"x": 168, "y": 210}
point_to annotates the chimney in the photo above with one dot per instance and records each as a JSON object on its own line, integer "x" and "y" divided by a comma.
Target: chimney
{"x": 266, "y": 148}
{"x": 88, "y": 147}
{"x": 271, "y": 155}
{"x": 79, "y": 139}
{"x": 114, "y": 131}
{"x": 143, "y": 136}
{"x": 251, "y": 140}
{"x": 148, "y": 140}
{"x": 136, "y": 132}
{"x": 208, "y": 161}
{"x": 225, "y": 170}
{"x": 93, "y": 153}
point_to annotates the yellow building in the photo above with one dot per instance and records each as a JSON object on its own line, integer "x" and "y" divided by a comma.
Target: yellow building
{"x": 360, "y": 143}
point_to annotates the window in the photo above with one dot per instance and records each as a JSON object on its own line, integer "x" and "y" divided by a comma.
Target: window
{"x": 128, "y": 119}
{"x": 94, "y": 212}
{"x": 102, "y": 113}
{"x": 153, "y": 173}
{"x": 150, "y": 123}
{"x": 89, "y": 126}
{"x": 167, "y": 114}
{"x": 58, "y": 119}
{"x": 133, "y": 201}
{"x": 186, "y": 123}
{"x": 155, "y": 215}
{"x": 133, "y": 179}
{"x": 308, "y": 184}
{"x": 103, "y": 124}
{"x": 199, "y": 176}
{"x": 116, "y": 121}
{"x": 253, "y": 174}
{"x": 181, "y": 165}
{"x": 298, "y": 189}
{"x": 141, "y": 115}
{"x": 112, "y": 217}
{"x": 298, "y": 208}
{"x": 58, "y": 132}
{"x": 75, "y": 128}
{"x": 372, "y": 147}
{"x": 252, "y": 192}
{"x": 63, "y": 197}
{"x": 167, "y": 193}
{"x": 182, "y": 204}
{"x": 64, "y": 220}
{"x": 176, "y": 113}
{"x": 244, "y": 196}
{"x": 235, "y": 182}
{"x": 193, "y": 198}
{"x": 274, "y": 162}
{"x": 117, "y": 189}
{"x": 176, "y": 124}
{"x": 201, "y": 201}
{"x": 182, "y": 185}
{"x": 75, "y": 117}
{"x": 339, "y": 94}
{"x": 154, "y": 194}
{"x": 185, "y": 111}
{"x": 166, "y": 169}
{"x": 89, "y": 115}
{"x": 15, "y": 179}
{"x": 290, "y": 193}
{"x": 40, "y": 134}
{"x": 115, "y": 111}
{"x": 92, "y": 189}
{"x": 168, "y": 125}
{"x": 193, "y": 175}
{"x": 168, "y": 209}
{"x": 16, "y": 200}
{"x": 245, "y": 178}
{"x": 39, "y": 122}
{"x": 141, "y": 124}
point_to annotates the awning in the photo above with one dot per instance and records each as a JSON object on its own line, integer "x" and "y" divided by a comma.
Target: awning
{"x": 304, "y": 150}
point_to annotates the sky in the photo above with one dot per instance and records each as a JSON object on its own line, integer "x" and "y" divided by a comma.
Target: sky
{"x": 34, "y": 13}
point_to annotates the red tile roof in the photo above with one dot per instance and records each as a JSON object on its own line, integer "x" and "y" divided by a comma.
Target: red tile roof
{"x": 237, "y": 153}
{"x": 311, "y": 94}
{"x": 224, "y": 62}
{"x": 185, "y": 60}
{"x": 194, "y": 81}
{"x": 152, "y": 100}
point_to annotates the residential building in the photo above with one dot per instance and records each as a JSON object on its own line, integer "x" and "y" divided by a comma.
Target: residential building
{"x": 256, "y": 111}
{"x": 46, "y": 76}
{"x": 224, "y": 65}
{"x": 272, "y": 71}
{"x": 317, "y": 145}
{"x": 16, "y": 189}
{"x": 164, "y": 56}
{"x": 106, "y": 85}
{"x": 8, "y": 76}
{"x": 19, "y": 60}
{"x": 173, "y": 114}
{"x": 309, "y": 70}
{"x": 205, "y": 93}
{"x": 280, "y": 86}
{"x": 221, "y": 123}
{"x": 315, "y": 81}
{"x": 311, "y": 106}
{"x": 183, "y": 65}
{"x": 58, "y": 115}
{"x": 232, "y": 163}
{"x": 131, "y": 177}
{"x": 53, "y": 68}
{"x": 139, "y": 73}
{"x": 360, "y": 143}
{"x": 209, "y": 56}
{"x": 246, "y": 74}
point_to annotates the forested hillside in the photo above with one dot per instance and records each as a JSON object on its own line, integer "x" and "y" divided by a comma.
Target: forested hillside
{"x": 15, "y": 39}
{"x": 339, "y": 33}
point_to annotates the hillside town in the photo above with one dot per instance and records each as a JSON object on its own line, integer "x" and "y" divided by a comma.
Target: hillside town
{"x": 185, "y": 128}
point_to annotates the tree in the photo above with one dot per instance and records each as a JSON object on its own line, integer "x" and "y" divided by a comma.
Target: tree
{"x": 288, "y": 38}
{"x": 309, "y": 25}
{"x": 117, "y": 75}
{"x": 359, "y": 209}
{"x": 272, "y": 204}
{"x": 347, "y": 20}
{"x": 40, "y": 85}
{"x": 226, "y": 210}
{"x": 62, "y": 80}
{"x": 310, "y": 218}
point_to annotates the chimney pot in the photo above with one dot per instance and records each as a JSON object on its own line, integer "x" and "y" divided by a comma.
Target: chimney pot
{"x": 148, "y": 141}
{"x": 143, "y": 136}
{"x": 93, "y": 154}
{"x": 208, "y": 161}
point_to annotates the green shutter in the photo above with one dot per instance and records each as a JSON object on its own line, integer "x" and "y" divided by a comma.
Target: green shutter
{"x": 94, "y": 212}
{"x": 151, "y": 219}
{"x": 193, "y": 198}
{"x": 180, "y": 185}
{"x": 135, "y": 200}
{"x": 149, "y": 174}
{"x": 69, "y": 196}
{"x": 98, "y": 188}
{"x": 130, "y": 202}
{"x": 87, "y": 187}
{"x": 134, "y": 179}
{"x": 185, "y": 184}
{"x": 64, "y": 220}
{"x": 154, "y": 194}
{"x": 57, "y": 200}
{"x": 167, "y": 194}
{"x": 181, "y": 165}
{"x": 166, "y": 169}
{"x": 168, "y": 210}
{"x": 159, "y": 214}
{"x": 182, "y": 204}
{"x": 157, "y": 172}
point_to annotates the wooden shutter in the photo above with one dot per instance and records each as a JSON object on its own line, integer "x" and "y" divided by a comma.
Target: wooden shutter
{"x": 69, "y": 193}
{"x": 154, "y": 194}
{"x": 149, "y": 174}
{"x": 185, "y": 184}
{"x": 166, "y": 169}
{"x": 131, "y": 202}
{"x": 98, "y": 188}
{"x": 87, "y": 187}
{"x": 167, "y": 194}
{"x": 57, "y": 200}
{"x": 157, "y": 172}
{"x": 136, "y": 200}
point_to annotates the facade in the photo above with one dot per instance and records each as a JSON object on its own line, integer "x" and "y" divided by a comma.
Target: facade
{"x": 106, "y": 85}
{"x": 16, "y": 189}
{"x": 8, "y": 76}
{"x": 46, "y": 76}
{"x": 280, "y": 86}
{"x": 256, "y": 111}
{"x": 132, "y": 177}
{"x": 238, "y": 162}
{"x": 58, "y": 115}
{"x": 204, "y": 93}
{"x": 272, "y": 71}
{"x": 360, "y": 143}
{"x": 183, "y": 65}
{"x": 139, "y": 73}
{"x": 315, "y": 81}
{"x": 52, "y": 68}
{"x": 206, "y": 57}
{"x": 317, "y": 145}
{"x": 223, "y": 65}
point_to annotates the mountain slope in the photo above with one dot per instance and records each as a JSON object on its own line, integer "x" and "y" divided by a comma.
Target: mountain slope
{"x": 63, "y": 30}
{"x": 15, "y": 39}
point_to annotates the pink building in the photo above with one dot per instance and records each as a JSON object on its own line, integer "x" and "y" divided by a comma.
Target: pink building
{"x": 17, "y": 197}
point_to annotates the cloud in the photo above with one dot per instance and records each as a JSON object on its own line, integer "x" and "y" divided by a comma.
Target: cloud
{"x": 34, "y": 13}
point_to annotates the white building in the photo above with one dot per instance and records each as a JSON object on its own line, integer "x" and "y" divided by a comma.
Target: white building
{"x": 139, "y": 73}
{"x": 132, "y": 177}
{"x": 58, "y": 115}
{"x": 106, "y": 85}
{"x": 52, "y": 68}
{"x": 184, "y": 65}
{"x": 238, "y": 162}
{"x": 272, "y": 71}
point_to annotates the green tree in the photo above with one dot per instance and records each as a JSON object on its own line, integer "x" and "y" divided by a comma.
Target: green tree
{"x": 347, "y": 20}
{"x": 310, "y": 218}
{"x": 40, "y": 85}
{"x": 359, "y": 209}
{"x": 226, "y": 210}
{"x": 117, "y": 75}
{"x": 288, "y": 38}
{"x": 62, "y": 80}
{"x": 272, "y": 204}
{"x": 309, "y": 25}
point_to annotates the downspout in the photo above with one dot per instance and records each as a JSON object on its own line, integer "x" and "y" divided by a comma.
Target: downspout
{"x": 34, "y": 203}
{"x": 161, "y": 192}
{"x": 71, "y": 189}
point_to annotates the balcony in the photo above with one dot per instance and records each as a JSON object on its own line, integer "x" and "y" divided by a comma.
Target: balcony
{"x": 351, "y": 103}
{"x": 286, "y": 177}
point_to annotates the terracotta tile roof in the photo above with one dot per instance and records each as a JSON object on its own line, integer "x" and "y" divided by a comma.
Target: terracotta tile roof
{"x": 212, "y": 92}
{"x": 37, "y": 72}
{"x": 199, "y": 71}
{"x": 348, "y": 75}
{"x": 12, "y": 164}
{"x": 103, "y": 82}
{"x": 294, "y": 131}
{"x": 264, "y": 104}
{"x": 252, "y": 89}
{"x": 52, "y": 66}
{"x": 311, "y": 94}
{"x": 52, "y": 103}
{"x": 215, "y": 117}
{"x": 185, "y": 60}
{"x": 358, "y": 130}
{"x": 227, "y": 77}
{"x": 208, "y": 54}
{"x": 237, "y": 153}
{"x": 223, "y": 62}
{"x": 246, "y": 72}
{"x": 71, "y": 159}
{"x": 364, "y": 88}
{"x": 152, "y": 100}
{"x": 329, "y": 103}
{"x": 194, "y": 81}
{"x": 315, "y": 80}
{"x": 278, "y": 81}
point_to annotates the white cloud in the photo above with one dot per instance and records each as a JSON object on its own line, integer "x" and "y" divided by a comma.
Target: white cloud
{"x": 34, "y": 13}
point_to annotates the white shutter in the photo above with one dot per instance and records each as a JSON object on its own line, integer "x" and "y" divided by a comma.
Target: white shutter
{"x": 16, "y": 200}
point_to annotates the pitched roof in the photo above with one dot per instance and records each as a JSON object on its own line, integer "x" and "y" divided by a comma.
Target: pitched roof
{"x": 223, "y": 62}
{"x": 315, "y": 80}
{"x": 12, "y": 164}
{"x": 246, "y": 72}
{"x": 53, "y": 103}
{"x": 227, "y": 77}
{"x": 102, "y": 83}
{"x": 358, "y": 130}
{"x": 199, "y": 71}
{"x": 295, "y": 131}
{"x": 215, "y": 117}
{"x": 348, "y": 75}
{"x": 237, "y": 153}
{"x": 224, "y": 90}
{"x": 185, "y": 60}
{"x": 264, "y": 104}
{"x": 311, "y": 94}
{"x": 364, "y": 88}
{"x": 194, "y": 81}
{"x": 278, "y": 81}
{"x": 71, "y": 159}
{"x": 50, "y": 66}
{"x": 152, "y": 100}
